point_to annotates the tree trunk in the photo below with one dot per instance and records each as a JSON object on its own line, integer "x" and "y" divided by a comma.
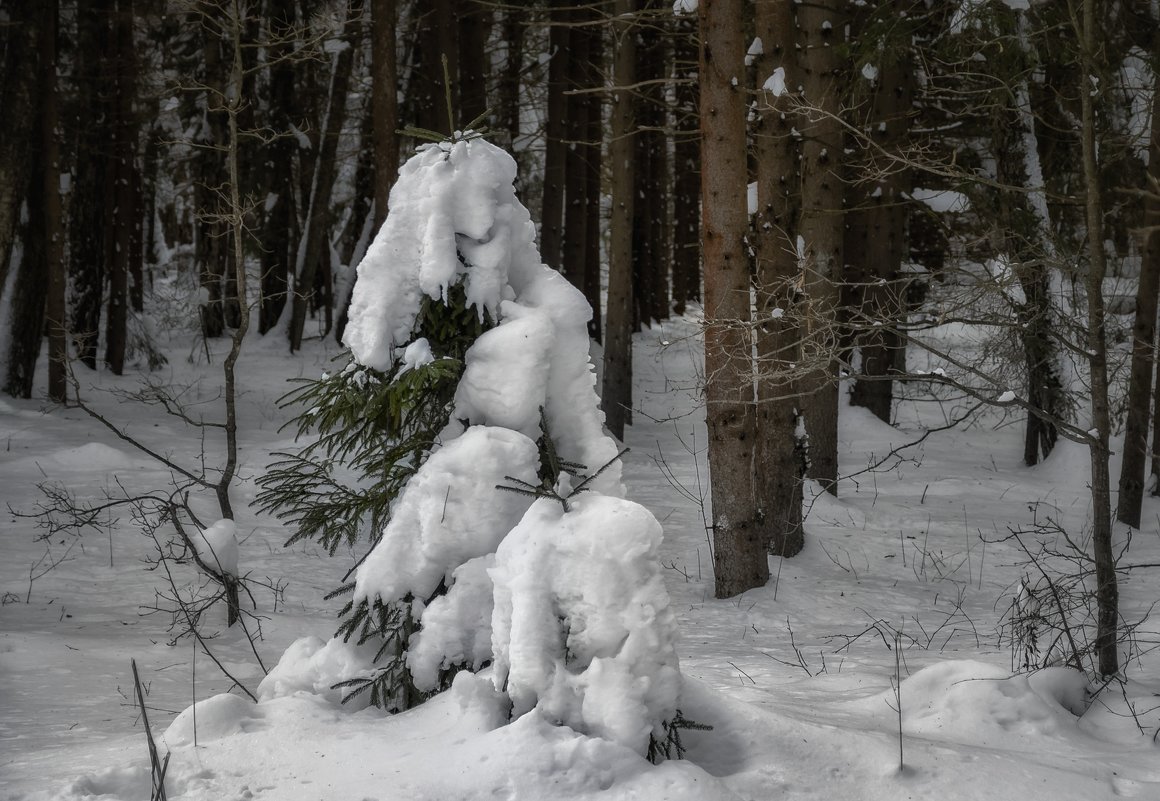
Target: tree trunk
{"x": 1143, "y": 334}
{"x": 277, "y": 251}
{"x": 576, "y": 153}
{"x": 874, "y": 263}
{"x": 739, "y": 551}
{"x": 53, "y": 216}
{"x": 616, "y": 395}
{"x": 211, "y": 247}
{"x": 124, "y": 211}
{"x": 822, "y": 229}
{"x": 1107, "y": 592}
{"x": 27, "y": 289}
{"x": 18, "y": 47}
{"x": 593, "y": 174}
{"x": 686, "y": 247}
{"x": 435, "y": 39}
{"x": 384, "y": 103}
{"x": 314, "y": 245}
{"x": 779, "y": 468}
{"x": 561, "y": 64}
{"x": 1023, "y": 236}
{"x": 651, "y": 219}
{"x": 87, "y": 220}
{"x": 508, "y": 90}
{"x": 474, "y": 27}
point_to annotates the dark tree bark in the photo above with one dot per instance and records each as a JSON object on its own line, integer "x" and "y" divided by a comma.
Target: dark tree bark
{"x": 211, "y": 246}
{"x": 739, "y": 550}
{"x": 18, "y": 46}
{"x": 1022, "y": 235}
{"x": 822, "y": 227}
{"x": 616, "y": 394}
{"x": 313, "y": 248}
{"x": 555, "y": 150}
{"x": 574, "y": 245}
{"x": 124, "y": 212}
{"x": 876, "y": 236}
{"x": 1143, "y": 335}
{"x": 686, "y": 244}
{"x": 384, "y": 102}
{"x": 435, "y": 39}
{"x": 651, "y": 220}
{"x": 474, "y": 29}
{"x": 53, "y": 216}
{"x": 88, "y": 228}
{"x": 279, "y": 223}
{"x": 1107, "y": 590}
{"x": 508, "y": 89}
{"x": 594, "y": 160}
{"x": 28, "y": 288}
{"x": 780, "y": 467}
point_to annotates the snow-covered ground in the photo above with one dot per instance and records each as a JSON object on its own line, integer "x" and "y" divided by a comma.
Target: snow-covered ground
{"x": 796, "y": 679}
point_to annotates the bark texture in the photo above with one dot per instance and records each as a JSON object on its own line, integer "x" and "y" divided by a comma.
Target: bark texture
{"x": 739, "y": 550}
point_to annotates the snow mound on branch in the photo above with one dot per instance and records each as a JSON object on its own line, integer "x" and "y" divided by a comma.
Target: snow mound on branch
{"x": 611, "y": 669}
{"x": 506, "y": 378}
{"x": 454, "y": 216}
{"x": 217, "y": 546}
{"x": 450, "y": 512}
{"x": 456, "y": 626}
{"x": 450, "y": 200}
{"x": 312, "y": 666}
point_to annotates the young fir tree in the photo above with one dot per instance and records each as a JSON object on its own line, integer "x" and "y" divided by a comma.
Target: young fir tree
{"x": 492, "y": 496}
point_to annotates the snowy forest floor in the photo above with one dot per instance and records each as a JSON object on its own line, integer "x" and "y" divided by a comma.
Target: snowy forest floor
{"x": 797, "y": 679}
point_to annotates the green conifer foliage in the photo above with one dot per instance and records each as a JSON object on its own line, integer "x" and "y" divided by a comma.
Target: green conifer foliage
{"x": 366, "y": 434}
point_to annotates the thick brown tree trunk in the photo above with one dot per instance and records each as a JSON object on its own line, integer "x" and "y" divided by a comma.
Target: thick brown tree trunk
{"x": 822, "y": 228}
{"x": 616, "y": 394}
{"x": 739, "y": 550}
{"x": 780, "y": 467}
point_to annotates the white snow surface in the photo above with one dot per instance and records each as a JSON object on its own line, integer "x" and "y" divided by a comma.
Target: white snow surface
{"x": 613, "y": 673}
{"x": 801, "y": 705}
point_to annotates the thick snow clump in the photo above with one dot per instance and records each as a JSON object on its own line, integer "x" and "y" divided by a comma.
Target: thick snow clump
{"x": 611, "y": 669}
{"x": 217, "y": 546}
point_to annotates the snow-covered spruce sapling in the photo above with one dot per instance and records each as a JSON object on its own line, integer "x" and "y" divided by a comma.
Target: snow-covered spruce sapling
{"x": 561, "y": 593}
